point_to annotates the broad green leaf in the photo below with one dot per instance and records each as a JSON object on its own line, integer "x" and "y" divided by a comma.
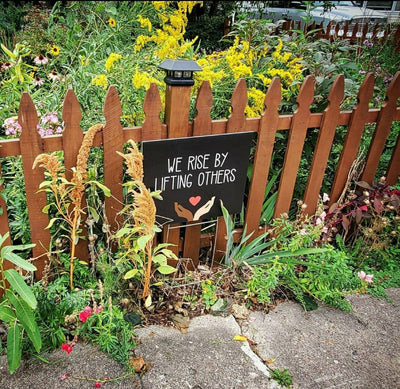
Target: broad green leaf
{"x": 27, "y": 320}
{"x": 6, "y": 314}
{"x": 14, "y": 349}
{"x": 46, "y": 208}
{"x": 51, "y": 222}
{"x": 131, "y": 273}
{"x": 166, "y": 269}
{"x": 142, "y": 241}
{"x": 160, "y": 259}
{"x": 17, "y": 282}
{"x": 7, "y": 253}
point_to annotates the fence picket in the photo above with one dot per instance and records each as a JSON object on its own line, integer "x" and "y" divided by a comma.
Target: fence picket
{"x": 353, "y": 137}
{"x": 72, "y": 137}
{"x": 113, "y": 141}
{"x": 31, "y": 147}
{"x": 393, "y": 171}
{"x": 151, "y": 127}
{"x": 323, "y": 146}
{"x": 262, "y": 158}
{"x": 297, "y": 135}
{"x": 383, "y": 125}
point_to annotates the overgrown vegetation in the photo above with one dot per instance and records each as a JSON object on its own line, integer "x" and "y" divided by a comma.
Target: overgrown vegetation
{"x": 350, "y": 247}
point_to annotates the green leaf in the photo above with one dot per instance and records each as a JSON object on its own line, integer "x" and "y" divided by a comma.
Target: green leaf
{"x": 160, "y": 259}
{"x": 27, "y": 319}
{"x": 142, "y": 241}
{"x": 107, "y": 192}
{"x": 46, "y": 208}
{"x": 6, "y": 313}
{"x": 130, "y": 274}
{"x": 7, "y": 253}
{"x": 3, "y": 238}
{"x": 14, "y": 349}
{"x": 166, "y": 269}
{"x": 17, "y": 282}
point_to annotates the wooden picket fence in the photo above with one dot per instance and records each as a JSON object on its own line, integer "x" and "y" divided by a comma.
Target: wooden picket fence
{"x": 354, "y": 33}
{"x": 177, "y": 124}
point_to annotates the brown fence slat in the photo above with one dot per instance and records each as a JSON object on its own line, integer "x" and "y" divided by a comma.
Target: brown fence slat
{"x": 236, "y": 123}
{"x": 295, "y": 145}
{"x": 202, "y": 123}
{"x": 237, "y": 119}
{"x": 31, "y": 147}
{"x": 382, "y": 130}
{"x": 151, "y": 127}
{"x": 353, "y": 137}
{"x": 324, "y": 145}
{"x": 262, "y": 158}
{"x": 4, "y": 226}
{"x": 72, "y": 137}
{"x": 393, "y": 171}
{"x": 113, "y": 141}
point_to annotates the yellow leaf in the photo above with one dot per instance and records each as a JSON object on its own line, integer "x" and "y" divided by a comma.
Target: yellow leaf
{"x": 240, "y": 338}
{"x": 272, "y": 360}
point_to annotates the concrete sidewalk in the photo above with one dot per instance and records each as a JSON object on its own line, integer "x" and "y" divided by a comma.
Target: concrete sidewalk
{"x": 325, "y": 348}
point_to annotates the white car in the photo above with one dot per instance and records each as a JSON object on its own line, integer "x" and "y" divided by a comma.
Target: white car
{"x": 342, "y": 11}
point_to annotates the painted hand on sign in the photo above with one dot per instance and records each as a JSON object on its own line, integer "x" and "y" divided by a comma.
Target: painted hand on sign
{"x": 186, "y": 214}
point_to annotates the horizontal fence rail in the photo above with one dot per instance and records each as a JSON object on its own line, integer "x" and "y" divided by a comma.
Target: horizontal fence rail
{"x": 113, "y": 136}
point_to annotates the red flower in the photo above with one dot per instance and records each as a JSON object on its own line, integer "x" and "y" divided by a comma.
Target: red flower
{"x": 97, "y": 384}
{"x": 99, "y": 308}
{"x": 85, "y": 314}
{"x": 67, "y": 347}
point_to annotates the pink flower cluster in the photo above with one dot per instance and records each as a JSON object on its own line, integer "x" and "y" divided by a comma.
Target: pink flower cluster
{"x": 11, "y": 126}
{"x": 68, "y": 347}
{"x": 365, "y": 277}
{"x": 88, "y": 311}
{"x": 49, "y": 124}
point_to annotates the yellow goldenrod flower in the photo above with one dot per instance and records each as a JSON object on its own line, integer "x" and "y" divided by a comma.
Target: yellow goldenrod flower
{"x": 144, "y": 22}
{"x": 100, "y": 80}
{"x": 112, "y": 22}
{"x": 113, "y": 57}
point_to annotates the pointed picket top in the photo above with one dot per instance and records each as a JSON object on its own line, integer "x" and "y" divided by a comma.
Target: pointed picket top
{"x": 112, "y": 105}
{"x": 202, "y": 123}
{"x": 72, "y": 134}
{"x": 323, "y": 145}
{"x": 237, "y": 119}
{"x": 28, "y": 119}
{"x": 383, "y": 126}
{"x": 305, "y": 96}
{"x": 151, "y": 126}
{"x": 273, "y": 96}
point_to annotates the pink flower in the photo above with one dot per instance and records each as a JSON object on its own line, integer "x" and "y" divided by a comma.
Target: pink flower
{"x": 325, "y": 198}
{"x": 67, "y": 347}
{"x": 365, "y": 277}
{"x": 40, "y": 60}
{"x": 37, "y": 81}
{"x": 97, "y": 384}
{"x": 99, "y": 309}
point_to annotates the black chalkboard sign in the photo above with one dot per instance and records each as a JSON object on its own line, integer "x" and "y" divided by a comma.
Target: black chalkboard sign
{"x": 195, "y": 173}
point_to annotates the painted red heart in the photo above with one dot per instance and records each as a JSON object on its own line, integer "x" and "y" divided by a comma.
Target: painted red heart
{"x": 194, "y": 200}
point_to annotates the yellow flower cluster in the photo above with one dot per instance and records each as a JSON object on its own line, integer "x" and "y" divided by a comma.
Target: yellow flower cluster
{"x": 169, "y": 40}
{"x": 143, "y": 80}
{"x": 256, "y": 103}
{"x": 100, "y": 80}
{"x": 145, "y": 22}
{"x": 113, "y": 57}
